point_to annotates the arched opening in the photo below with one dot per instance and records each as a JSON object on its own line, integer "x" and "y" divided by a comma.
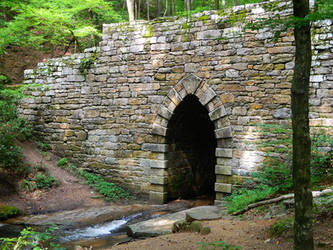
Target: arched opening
{"x": 191, "y": 151}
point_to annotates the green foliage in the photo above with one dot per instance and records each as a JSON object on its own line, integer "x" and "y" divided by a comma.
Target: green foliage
{"x": 110, "y": 191}
{"x": 4, "y": 80}
{"x": 87, "y": 63}
{"x": 30, "y": 239}
{"x": 42, "y": 146}
{"x": 56, "y": 22}
{"x": 39, "y": 178}
{"x": 217, "y": 245}
{"x": 11, "y": 127}
{"x": 276, "y": 173}
{"x": 281, "y": 226}
{"x": 8, "y": 212}
{"x": 242, "y": 197}
{"x": 45, "y": 181}
{"x": 62, "y": 162}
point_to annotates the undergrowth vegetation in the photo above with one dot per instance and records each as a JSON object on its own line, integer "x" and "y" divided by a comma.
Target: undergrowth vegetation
{"x": 110, "y": 191}
{"x": 30, "y": 239}
{"x": 275, "y": 177}
{"x": 8, "y": 212}
{"x": 217, "y": 245}
{"x": 12, "y": 128}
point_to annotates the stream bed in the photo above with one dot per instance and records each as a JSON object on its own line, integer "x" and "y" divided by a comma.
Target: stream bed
{"x": 99, "y": 227}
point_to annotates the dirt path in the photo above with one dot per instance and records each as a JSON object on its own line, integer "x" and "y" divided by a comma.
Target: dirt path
{"x": 71, "y": 193}
{"x": 248, "y": 234}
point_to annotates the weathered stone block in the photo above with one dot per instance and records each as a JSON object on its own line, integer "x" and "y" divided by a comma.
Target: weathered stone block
{"x": 159, "y": 130}
{"x": 223, "y": 170}
{"x": 191, "y": 83}
{"x": 223, "y": 133}
{"x": 155, "y": 147}
{"x": 207, "y": 96}
{"x": 146, "y": 163}
{"x": 209, "y": 34}
{"x": 75, "y": 78}
{"x": 164, "y": 112}
{"x": 223, "y": 188}
{"x": 224, "y": 152}
{"x": 218, "y": 113}
{"x": 158, "y": 197}
{"x": 158, "y": 180}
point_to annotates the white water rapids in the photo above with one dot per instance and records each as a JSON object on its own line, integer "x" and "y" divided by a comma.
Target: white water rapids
{"x": 97, "y": 230}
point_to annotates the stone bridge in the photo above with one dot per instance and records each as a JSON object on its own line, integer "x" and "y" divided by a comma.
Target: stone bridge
{"x": 172, "y": 107}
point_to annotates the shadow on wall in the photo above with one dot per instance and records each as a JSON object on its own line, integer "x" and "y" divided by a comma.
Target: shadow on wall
{"x": 191, "y": 153}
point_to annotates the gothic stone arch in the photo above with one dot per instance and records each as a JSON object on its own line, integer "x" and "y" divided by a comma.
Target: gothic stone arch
{"x": 191, "y": 84}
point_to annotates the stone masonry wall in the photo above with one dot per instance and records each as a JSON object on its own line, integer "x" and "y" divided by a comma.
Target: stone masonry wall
{"x": 108, "y": 108}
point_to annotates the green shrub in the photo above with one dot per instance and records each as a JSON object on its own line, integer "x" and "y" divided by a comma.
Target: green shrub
{"x": 8, "y": 212}
{"x": 45, "y": 181}
{"x": 28, "y": 185}
{"x": 109, "y": 190}
{"x": 11, "y": 127}
{"x": 30, "y": 239}
{"x": 276, "y": 173}
{"x": 42, "y": 146}
{"x": 221, "y": 245}
{"x": 62, "y": 162}
{"x": 281, "y": 226}
{"x": 240, "y": 198}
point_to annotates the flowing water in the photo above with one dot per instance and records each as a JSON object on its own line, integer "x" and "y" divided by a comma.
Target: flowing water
{"x": 97, "y": 231}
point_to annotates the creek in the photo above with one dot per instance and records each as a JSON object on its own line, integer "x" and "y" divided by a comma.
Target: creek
{"x": 99, "y": 227}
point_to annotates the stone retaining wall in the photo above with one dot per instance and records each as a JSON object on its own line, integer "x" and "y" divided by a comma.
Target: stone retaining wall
{"x": 108, "y": 108}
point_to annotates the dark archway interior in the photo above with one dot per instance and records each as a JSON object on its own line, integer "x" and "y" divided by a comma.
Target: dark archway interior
{"x": 191, "y": 154}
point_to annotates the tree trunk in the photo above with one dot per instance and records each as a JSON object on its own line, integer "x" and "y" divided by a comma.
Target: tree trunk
{"x": 223, "y": 3}
{"x": 188, "y": 5}
{"x": 303, "y": 232}
{"x": 158, "y": 8}
{"x": 130, "y": 9}
{"x": 217, "y": 4}
{"x": 147, "y": 2}
{"x": 235, "y": 2}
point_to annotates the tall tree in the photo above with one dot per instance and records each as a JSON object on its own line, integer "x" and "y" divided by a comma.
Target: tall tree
{"x": 303, "y": 232}
{"x": 188, "y": 5}
{"x": 217, "y": 4}
{"x": 130, "y": 9}
{"x": 158, "y": 8}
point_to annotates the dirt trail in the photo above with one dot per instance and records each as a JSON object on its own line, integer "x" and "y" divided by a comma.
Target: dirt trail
{"x": 71, "y": 193}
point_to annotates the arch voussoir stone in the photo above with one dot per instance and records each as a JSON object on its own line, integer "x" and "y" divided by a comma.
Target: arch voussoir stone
{"x": 164, "y": 112}
{"x": 174, "y": 96}
{"x": 191, "y": 83}
{"x": 218, "y": 113}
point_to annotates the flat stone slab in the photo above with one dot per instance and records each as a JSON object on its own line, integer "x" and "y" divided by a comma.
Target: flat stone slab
{"x": 81, "y": 216}
{"x": 163, "y": 224}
